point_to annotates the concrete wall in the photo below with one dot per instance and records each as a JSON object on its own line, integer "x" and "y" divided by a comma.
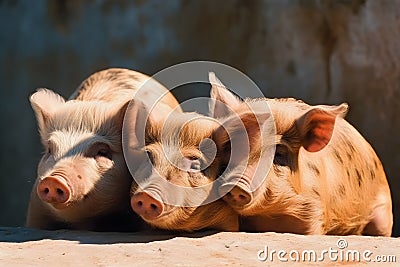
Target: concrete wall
{"x": 319, "y": 51}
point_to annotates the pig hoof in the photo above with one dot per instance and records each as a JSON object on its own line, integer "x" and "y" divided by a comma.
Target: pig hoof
{"x": 146, "y": 206}
{"x": 53, "y": 190}
{"x": 237, "y": 197}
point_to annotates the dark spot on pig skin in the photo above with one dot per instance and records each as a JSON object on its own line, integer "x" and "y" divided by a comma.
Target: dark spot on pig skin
{"x": 123, "y": 85}
{"x": 134, "y": 77}
{"x": 342, "y": 190}
{"x": 350, "y": 145}
{"x": 372, "y": 174}
{"x": 114, "y": 75}
{"x": 338, "y": 156}
{"x": 314, "y": 168}
{"x": 79, "y": 176}
{"x": 349, "y": 156}
{"x": 315, "y": 191}
{"x": 359, "y": 178}
{"x": 376, "y": 164}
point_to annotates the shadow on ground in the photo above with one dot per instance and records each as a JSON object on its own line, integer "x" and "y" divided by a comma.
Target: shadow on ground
{"x": 22, "y": 234}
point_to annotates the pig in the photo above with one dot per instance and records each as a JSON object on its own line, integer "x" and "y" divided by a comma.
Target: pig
{"x": 175, "y": 184}
{"x": 82, "y": 179}
{"x": 324, "y": 177}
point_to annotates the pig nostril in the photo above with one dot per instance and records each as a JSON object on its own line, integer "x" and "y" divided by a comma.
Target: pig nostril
{"x": 140, "y": 203}
{"x": 242, "y": 197}
{"x": 153, "y": 206}
{"x": 60, "y": 191}
{"x": 46, "y": 190}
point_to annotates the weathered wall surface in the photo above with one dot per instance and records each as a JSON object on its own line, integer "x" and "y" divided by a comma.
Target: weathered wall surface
{"x": 319, "y": 51}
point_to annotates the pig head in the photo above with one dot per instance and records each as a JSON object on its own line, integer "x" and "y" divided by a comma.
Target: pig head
{"x": 322, "y": 177}
{"x": 83, "y": 181}
{"x": 82, "y": 165}
{"x": 175, "y": 186}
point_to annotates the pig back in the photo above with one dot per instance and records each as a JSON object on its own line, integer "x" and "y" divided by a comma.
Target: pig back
{"x": 117, "y": 84}
{"x": 349, "y": 178}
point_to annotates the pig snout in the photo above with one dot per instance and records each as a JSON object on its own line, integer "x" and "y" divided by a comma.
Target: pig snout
{"x": 236, "y": 196}
{"x": 236, "y": 192}
{"x": 146, "y": 206}
{"x": 54, "y": 190}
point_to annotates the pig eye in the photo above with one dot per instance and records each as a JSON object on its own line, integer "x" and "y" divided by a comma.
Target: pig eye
{"x": 195, "y": 165}
{"x": 104, "y": 153}
{"x": 193, "y": 158}
{"x": 100, "y": 150}
{"x": 281, "y": 157}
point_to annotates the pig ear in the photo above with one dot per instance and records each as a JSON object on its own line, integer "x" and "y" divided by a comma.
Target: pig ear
{"x": 44, "y": 103}
{"x": 244, "y": 129}
{"x": 316, "y": 126}
{"x": 120, "y": 114}
{"x": 134, "y": 124}
{"x": 138, "y": 120}
{"x": 222, "y": 100}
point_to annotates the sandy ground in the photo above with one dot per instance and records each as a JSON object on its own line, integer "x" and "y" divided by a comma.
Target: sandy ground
{"x": 29, "y": 247}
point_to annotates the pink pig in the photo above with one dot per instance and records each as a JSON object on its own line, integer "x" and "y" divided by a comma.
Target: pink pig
{"x": 176, "y": 185}
{"x": 82, "y": 179}
{"x": 325, "y": 178}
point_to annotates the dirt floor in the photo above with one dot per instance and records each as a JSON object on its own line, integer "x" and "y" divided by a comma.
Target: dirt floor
{"x": 29, "y": 247}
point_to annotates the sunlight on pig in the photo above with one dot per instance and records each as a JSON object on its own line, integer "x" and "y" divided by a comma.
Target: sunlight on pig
{"x": 175, "y": 184}
{"x": 83, "y": 181}
{"x": 325, "y": 177}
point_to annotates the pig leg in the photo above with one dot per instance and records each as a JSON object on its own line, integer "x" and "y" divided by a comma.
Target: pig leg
{"x": 40, "y": 217}
{"x": 381, "y": 217}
